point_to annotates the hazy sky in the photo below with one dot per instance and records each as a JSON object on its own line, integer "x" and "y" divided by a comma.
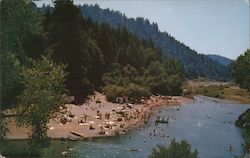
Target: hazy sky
{"x": 207, "y": 26}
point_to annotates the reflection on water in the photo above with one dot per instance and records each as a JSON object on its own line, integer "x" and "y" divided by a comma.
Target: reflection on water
{"x": 206, "y": 124}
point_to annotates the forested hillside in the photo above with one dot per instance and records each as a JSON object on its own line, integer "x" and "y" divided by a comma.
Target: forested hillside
{"x": 111, "y": 59}
{"x": 196, "y": 65}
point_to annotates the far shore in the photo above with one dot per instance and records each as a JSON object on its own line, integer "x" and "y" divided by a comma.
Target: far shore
{"x": 99, "y": 118}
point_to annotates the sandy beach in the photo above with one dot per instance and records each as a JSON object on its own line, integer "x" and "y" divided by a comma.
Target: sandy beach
{"x": 98, "y": 118}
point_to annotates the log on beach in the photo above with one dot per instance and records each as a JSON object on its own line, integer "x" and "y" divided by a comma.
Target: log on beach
{"x": 77, "y": 134}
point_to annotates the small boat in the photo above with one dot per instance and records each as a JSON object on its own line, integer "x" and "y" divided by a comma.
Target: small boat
{"x": 162, "y": 120}
{"x": 133, "y": 149}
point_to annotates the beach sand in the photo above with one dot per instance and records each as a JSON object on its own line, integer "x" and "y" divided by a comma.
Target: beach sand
{"x": 122, "y": 118}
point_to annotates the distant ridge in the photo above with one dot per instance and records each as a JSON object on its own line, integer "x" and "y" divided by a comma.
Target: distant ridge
{"x": 220, "y": 59}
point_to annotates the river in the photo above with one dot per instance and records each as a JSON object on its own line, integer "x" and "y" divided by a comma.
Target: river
{"x": 207, "y": 124}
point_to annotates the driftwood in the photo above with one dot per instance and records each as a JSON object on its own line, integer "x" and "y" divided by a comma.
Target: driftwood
{"x": 77, "y": 134}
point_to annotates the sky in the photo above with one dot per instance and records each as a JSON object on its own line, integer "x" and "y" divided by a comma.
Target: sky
{"x": 208, "y": 26}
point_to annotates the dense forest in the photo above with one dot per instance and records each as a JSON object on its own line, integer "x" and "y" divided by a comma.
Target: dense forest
{"x": 195, "y": 65}
{"x": 47, "y": 56}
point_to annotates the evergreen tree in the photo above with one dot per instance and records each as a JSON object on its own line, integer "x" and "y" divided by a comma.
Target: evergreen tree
{"x": 67, "y": 42}
{"x": 241, "y": 70}
{"x": 105, "y": 42}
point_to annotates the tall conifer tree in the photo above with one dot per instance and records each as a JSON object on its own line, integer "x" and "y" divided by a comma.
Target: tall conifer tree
{"x": 66, "y": 42}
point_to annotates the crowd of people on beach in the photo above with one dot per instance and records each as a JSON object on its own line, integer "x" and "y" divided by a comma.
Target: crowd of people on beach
{"x": 97, "y": 117}
{"x": 115, "y": 119}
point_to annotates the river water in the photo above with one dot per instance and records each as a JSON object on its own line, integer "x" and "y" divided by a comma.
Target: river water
{"x": 207, "y": 124}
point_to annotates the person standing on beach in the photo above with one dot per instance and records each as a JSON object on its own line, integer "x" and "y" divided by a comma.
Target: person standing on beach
{"x": 85, "y": 117}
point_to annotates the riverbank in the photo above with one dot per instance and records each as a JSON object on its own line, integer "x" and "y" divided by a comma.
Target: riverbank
{"x": 98, "y": 118}
{"x": 222, "y": 90}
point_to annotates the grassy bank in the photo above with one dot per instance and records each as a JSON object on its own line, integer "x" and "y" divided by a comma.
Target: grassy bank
{"x": 228, "y": 91}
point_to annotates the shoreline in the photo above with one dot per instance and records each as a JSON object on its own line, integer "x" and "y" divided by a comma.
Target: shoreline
{"x": 106, "y": 118}
{"x": 220, "y": 100}
{"x": 217, "y": 90}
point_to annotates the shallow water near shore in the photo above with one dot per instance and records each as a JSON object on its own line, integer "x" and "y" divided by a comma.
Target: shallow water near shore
{"x": 208, "y": 125}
